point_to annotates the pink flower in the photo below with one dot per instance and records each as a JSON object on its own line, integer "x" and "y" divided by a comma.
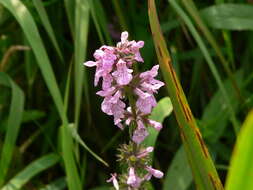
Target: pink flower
{"x": 145, "y": 104}
{"x": 140, "y": 133}
{"x": 133, "y": 180}
{"x": 153, "y": 172}
{"x": 122, "y": 75}
{"x": 114, "y": 180}
{"x": 158, "y": 126}
{"x": 145, "y": 152}
{"x": 115, "y": 107}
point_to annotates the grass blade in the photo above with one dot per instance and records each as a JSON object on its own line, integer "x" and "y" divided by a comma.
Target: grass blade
{"x": 70, "y": 9}
{"x": 48, "y": 27}
{"x": 29, "y": 27}
{"x": 209, "y": 61}
{"x": 192, "y": 9}
{"x": 241, "y": 169}
{"x": 80, "y": 141}
{"x": 13, "y": 124}
{"x": 30, "y": 171}
{"x": 203, "y": 169}
{"x": 81, "y": 33}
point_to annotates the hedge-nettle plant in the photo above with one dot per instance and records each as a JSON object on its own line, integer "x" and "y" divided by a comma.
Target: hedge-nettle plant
{"x": 129, "y": 98}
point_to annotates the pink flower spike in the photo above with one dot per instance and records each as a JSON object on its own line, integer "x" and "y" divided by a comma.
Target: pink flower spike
{"x": 114, "y": 180}
{"x": 154, "y": 172}
{"x": 158, "y": 126}
{"x": 90, "y": 63}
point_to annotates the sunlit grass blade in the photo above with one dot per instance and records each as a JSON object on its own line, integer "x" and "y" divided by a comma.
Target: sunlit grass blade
{"x": 31, "y": 170}
{"x": 209, "y": 60}
{"x": 75, "y": 135}
{"x": 204, "y": 172}
{"x": 48, "y": 27}
{"x": 13, "y": 124}
{"x": 81, "y": 34}
{"x": 29, "y": 27}
{"x": 241, "y": 169}
{"x": 192, "y": 9}
{"x": 56, "y": 185}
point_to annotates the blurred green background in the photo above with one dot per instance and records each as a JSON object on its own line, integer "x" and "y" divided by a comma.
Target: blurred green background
{"x": 51, "y": 124}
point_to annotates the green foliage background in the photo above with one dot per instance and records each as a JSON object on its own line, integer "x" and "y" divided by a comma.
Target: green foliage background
{"x": 53, "y": 134}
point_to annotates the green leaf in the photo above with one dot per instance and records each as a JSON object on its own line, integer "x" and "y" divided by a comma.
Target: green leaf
{"x": 56, "y": 185}
{"x": 13, "y": 124}
{"x": 48, "y": 27}
{"x": 31, "y": 170}
{"x": 229, "y": 16}
{"x": 160, "y": 112}
{"x": 179, "y": 175}
{"x": 198, "y": 156}
{"x": 240, "y": 174}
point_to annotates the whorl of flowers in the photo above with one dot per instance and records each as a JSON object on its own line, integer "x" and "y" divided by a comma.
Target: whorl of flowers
{"x": 129, "y": 98}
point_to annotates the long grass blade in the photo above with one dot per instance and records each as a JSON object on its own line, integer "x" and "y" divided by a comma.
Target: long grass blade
{"x": 70, "y": 9}
{"x": 31, "y": 170}
{"x": 13, "y": 124}
{"x": 48, "y": 27}
{"x": 75, "y": 135}
{"x": 203, "y": 169}
{"x": 81, "y": 34}
{"x": 192, "y": 9}
{"x": 209, "y": 61}
{"x": 29, "y": 27}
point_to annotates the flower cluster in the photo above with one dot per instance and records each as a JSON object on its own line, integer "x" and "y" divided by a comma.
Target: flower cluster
{"x": 129, "y": 98}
